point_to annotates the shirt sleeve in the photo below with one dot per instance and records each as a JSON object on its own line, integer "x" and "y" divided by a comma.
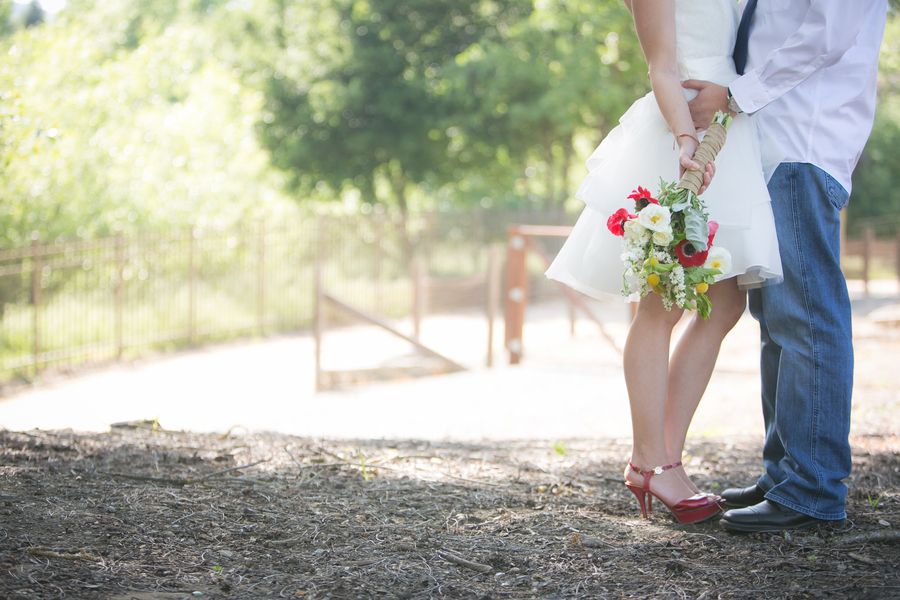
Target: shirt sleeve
{"x": 828, "y": 30}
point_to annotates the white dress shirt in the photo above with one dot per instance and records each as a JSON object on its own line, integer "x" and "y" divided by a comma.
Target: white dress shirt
{"x": 811, "y": 78}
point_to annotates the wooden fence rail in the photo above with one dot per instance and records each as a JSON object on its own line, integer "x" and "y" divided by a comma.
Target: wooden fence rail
{"x": 68, "y": 303}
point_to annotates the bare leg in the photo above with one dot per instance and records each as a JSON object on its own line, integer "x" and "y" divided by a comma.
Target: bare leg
{"x": 646, "y": 362}
{"x": 692, "y": 364}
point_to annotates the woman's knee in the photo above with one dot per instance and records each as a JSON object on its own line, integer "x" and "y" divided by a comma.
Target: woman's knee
{"x": 728, "y": 308}
{"x": 651, "y": 309}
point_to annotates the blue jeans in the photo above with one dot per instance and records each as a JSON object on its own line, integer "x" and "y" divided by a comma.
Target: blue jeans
{"x": 807, "y": 350}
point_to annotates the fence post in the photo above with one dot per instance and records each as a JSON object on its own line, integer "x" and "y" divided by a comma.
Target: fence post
{"x": 897, "y": 254}
{"x": 516, "y": 293}
{"x": 868, "y": 238}
{"x": 261, "y": 279}
{"x": 318, "y": 320}
{"x": 419, "y": 291}
{"x": 493, "y": 297}
{"x": 192, "y": 286}
{"x": 119, "y": 293}
{"x": 36, "y": 275}
{"x": 379, "y": 235}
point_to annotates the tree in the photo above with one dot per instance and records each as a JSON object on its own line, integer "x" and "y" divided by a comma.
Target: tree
{"x": 567, "y": 71}
{"x": 376, "y": 117}
{"x": 34, "y": 15}
{"x": 875, "y": 181}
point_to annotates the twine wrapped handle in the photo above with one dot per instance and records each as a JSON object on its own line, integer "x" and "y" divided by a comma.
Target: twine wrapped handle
{"x": 709, "y": 148}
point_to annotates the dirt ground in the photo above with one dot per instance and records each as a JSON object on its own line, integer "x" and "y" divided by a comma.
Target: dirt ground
{"x": 143, "y": 513}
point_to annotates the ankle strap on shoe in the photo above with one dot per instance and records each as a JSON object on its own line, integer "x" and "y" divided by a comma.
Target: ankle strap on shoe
{"x": 648, "y": 473}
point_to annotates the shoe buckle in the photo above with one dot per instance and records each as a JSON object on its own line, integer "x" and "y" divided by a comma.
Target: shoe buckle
{"x": 657, "y": 470}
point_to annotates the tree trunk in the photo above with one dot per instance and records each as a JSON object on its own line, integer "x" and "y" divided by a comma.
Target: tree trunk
{"x": 399, "y": 184}
{"x": 564, "y": 169}
{"x": 550, "y": 190}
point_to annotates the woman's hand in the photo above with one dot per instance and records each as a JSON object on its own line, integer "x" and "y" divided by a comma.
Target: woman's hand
{"x": 687, "y": 145}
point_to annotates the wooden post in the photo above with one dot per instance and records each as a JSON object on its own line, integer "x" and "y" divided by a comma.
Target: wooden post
{"x": 493, "y": 297}
{"x": 318, "y": 322}
{"x": 868, "y": 238}
{"x": 897, "y": 254}
{"x": 420, "y": 284}
{"x": 119, "y": 295}
{"x": 192, "y": 286}
{"x": 261, "y": 279}
{"x": 379, "y": 226}
{"x": 37, "y": 268}
{"x": 516, "y": 293}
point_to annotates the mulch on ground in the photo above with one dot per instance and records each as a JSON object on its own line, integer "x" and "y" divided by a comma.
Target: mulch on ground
{"x": 145, "y": 513}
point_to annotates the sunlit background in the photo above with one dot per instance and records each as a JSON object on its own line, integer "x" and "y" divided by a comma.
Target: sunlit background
{"x": 330, "y": 183}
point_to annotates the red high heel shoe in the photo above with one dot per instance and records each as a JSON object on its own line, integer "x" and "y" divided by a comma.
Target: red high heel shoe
{"x": 698, "y": 507}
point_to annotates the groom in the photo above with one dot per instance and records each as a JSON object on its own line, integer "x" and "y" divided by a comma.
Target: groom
{"x": 808, "y": 69}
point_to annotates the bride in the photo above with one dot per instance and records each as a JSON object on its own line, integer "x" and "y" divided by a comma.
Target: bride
{"x": 656, "y": 138}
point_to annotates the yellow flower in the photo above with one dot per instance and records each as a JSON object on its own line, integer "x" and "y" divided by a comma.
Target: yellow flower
{"x": 651, "y": 263}
{"x": 653, "y": 280}
{"x": 702, "y": 287}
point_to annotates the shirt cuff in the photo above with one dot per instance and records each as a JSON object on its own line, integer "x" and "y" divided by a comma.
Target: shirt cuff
{"x": 749, "y": 92}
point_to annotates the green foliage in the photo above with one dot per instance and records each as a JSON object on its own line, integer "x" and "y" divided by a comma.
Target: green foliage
{"x": 148, "y": 116}
{"x": 567, "y": 71}
{"x": 123, "y": 122}
{"x": 378, "y": 109}
{"x": 34, "y": 15}
{"x": 875, "y": 200}
{"x": 6, "y": 25}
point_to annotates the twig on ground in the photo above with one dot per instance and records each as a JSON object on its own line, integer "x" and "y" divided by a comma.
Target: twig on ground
{"x": 587, "y": 541}
{"x": 459, "y": 560}
{"x": 67, "y": 554}
{"x": 229, "y": 470}
{"x": 871, "y": 536}
{"x": 183, "y": 481}
{"x": 862, "y": 559}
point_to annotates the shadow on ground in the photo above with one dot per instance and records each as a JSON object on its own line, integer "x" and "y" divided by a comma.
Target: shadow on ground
{"x": 151, "y": 514}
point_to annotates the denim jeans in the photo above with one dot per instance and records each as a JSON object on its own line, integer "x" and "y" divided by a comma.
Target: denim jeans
{"x": 807, "y": 350}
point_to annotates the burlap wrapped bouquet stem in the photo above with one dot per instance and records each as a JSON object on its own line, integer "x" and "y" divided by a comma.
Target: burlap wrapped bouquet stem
{"x": 706, "y": 152}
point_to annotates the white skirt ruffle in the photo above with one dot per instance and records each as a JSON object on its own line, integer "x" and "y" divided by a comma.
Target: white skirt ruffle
{"x": 639, "y": 152}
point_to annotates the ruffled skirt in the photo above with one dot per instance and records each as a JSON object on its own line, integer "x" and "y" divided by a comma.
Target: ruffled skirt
{"x": 639, "y": 152}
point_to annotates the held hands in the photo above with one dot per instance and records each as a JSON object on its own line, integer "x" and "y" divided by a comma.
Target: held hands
{"x": 687, "y": 147}
{"x": 710, "y": 98}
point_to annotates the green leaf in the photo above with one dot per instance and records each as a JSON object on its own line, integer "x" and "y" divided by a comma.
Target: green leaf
{"x": 680, "y": 206}
{"x": 696, "y": 229}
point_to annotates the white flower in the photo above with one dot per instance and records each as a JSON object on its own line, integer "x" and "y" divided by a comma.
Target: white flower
{"x": 719, "y": 258}
{"x": 663, "y": 238}
{"x": 655, "y": 217}
{"x": 635, "y": 232}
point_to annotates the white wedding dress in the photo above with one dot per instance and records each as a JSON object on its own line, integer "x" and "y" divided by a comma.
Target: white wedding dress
{"x": 641, "y": 150}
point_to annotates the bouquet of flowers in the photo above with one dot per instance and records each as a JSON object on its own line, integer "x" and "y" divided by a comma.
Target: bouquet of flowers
{"x": 668, "y": 241}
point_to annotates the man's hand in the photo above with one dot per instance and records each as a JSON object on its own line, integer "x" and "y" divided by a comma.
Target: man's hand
{"x": 710, "y": 98}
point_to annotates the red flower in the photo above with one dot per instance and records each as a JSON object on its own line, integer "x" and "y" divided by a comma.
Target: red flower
{"x": 642, "y": 198}
{"x": 688, "y": 255}
{"x": 616, "y": 223}
{"x": 713, "y": 228}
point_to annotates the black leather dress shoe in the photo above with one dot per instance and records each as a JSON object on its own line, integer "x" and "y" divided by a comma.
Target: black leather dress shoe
{"x": 766, "y": 516}
{"x": 741, "y": 497}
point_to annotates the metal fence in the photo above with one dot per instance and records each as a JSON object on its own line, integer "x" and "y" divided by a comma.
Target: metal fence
{"x": 71, "y": 303}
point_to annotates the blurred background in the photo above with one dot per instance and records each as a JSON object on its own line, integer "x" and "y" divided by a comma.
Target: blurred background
{"x": 175, "y": 173}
